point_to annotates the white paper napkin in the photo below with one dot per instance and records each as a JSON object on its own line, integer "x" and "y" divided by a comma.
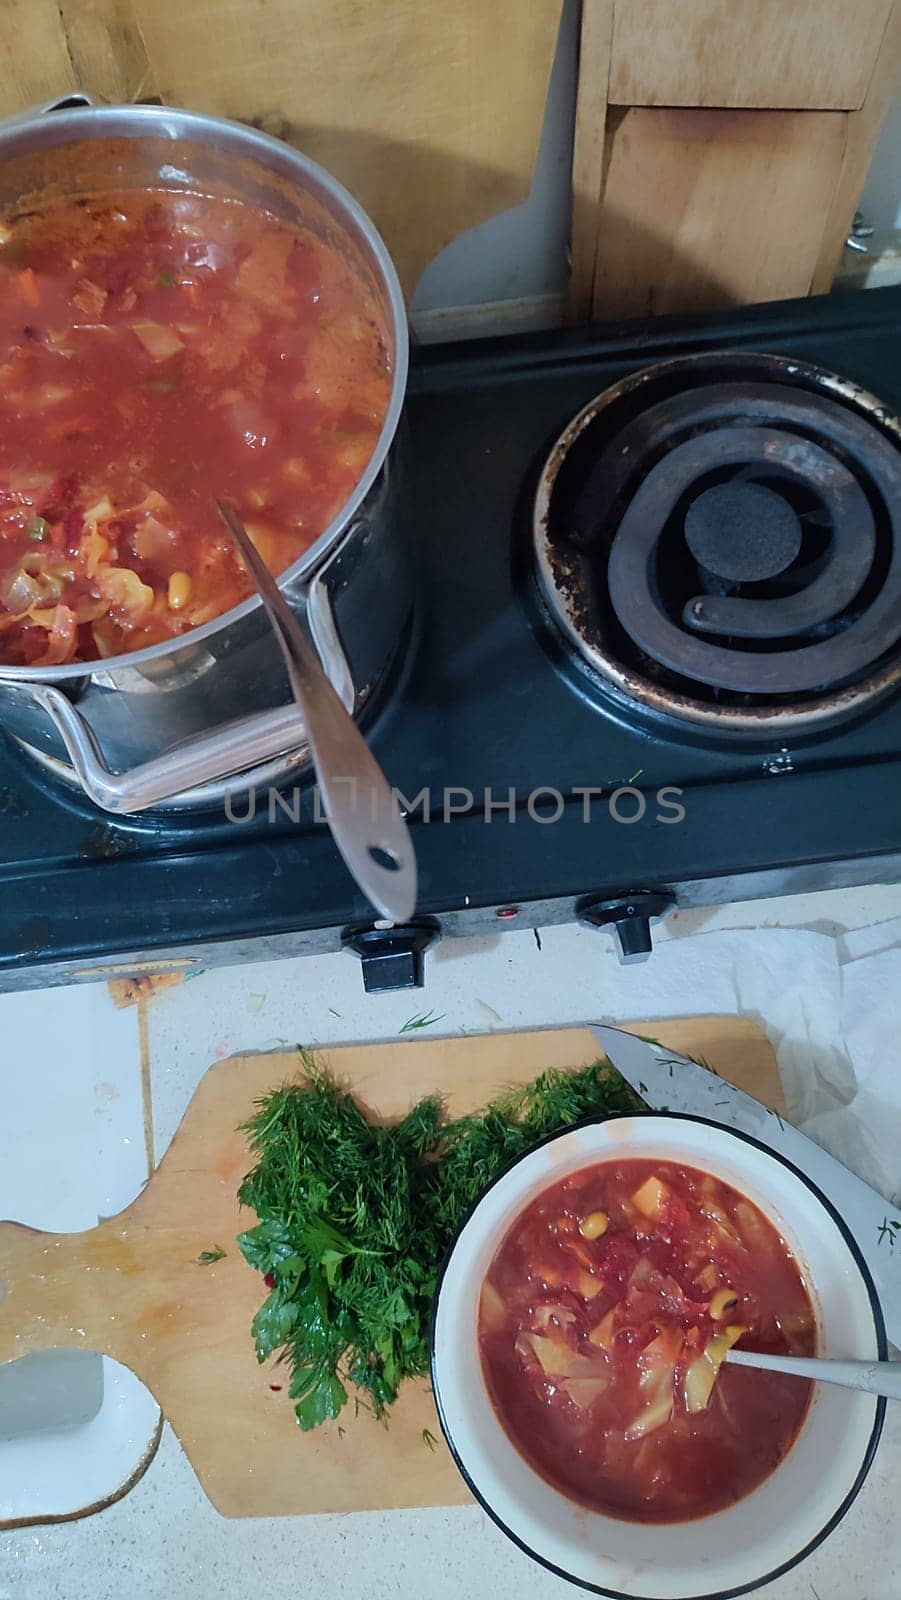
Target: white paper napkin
{"x": 866, "y": 1132}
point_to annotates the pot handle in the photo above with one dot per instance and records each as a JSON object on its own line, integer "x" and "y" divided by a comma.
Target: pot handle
{"x": 76, "y": 101}
{"x": 229, "y": 748}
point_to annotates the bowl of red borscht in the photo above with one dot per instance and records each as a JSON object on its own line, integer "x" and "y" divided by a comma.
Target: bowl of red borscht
{"x": 579, "y": 1343}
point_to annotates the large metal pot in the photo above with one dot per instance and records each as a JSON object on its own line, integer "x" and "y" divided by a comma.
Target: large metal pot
{"x": 176, "y": 724}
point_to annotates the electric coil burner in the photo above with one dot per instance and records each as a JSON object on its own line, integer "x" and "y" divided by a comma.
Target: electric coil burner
{"x": 720, "y": 538}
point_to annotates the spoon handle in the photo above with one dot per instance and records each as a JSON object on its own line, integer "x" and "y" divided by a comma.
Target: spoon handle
{"x": 875, "y": 1377}
{"x": 363, "y": 814}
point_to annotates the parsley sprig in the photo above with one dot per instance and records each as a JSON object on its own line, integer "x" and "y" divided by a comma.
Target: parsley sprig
{"x": 355, "y": 1217}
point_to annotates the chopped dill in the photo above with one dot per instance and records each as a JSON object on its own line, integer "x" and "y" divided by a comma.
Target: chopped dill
{"x": 355, "y": 1217}
{"x": 889, "y": 1231}
{"x": 426, "y": 1019}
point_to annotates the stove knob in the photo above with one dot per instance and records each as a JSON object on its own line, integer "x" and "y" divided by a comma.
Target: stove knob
{"x": 631, "y": 917}
{"x": 391, "y": 958}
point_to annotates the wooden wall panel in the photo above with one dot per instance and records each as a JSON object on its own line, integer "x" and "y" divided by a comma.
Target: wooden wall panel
{"x": 804, "y": 54}
{"x": 35, "y": 63}
{"x": 430, "y": 114}
{"x": 588, "y": 152}
{"x": 106, "y": 49}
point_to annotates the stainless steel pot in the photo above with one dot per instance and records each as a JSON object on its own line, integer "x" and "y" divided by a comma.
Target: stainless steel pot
{"x": 177, "y": 724}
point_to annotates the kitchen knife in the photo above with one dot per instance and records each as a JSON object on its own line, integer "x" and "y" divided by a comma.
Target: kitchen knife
{"x": 668, "y": 1082}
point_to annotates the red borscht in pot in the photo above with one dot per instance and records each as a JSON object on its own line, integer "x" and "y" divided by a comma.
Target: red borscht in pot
{"x": 157, "y": 349}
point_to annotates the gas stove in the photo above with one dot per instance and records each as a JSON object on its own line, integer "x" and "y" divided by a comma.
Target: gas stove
{"x": 654, "y": 662}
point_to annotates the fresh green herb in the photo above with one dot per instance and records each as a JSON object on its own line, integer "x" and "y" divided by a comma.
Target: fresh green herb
{"x": 425, "y": 1019}
{"x": 429, "y": 1438}
{"x": 889, "y": 1231}
{"x": 37, "y": 529}
{"x": 165, "y": 278}
{"x": 207, "y": 1257}
{"x": 333, "y": 1012}
{"x": 355, "y": 1218}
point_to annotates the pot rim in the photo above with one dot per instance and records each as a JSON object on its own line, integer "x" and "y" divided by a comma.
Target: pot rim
{"x": 199, "y": 125}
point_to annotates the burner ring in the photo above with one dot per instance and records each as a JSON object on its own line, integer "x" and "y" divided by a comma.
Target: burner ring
{"x": 810, "y": 397}
{"x": 636, "y": 600}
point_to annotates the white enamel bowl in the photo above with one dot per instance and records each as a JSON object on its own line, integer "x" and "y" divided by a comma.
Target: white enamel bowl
{"x": 763, "y": 1534}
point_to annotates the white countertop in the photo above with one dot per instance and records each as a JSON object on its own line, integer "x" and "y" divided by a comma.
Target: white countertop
{"x": 163, "y": 1539}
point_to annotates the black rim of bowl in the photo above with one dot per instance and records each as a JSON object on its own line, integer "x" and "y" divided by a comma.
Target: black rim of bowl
{"x": 881, "y": 1346}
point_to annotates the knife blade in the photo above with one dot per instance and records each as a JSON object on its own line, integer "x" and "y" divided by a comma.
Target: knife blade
{"x": 670, "y": 1082}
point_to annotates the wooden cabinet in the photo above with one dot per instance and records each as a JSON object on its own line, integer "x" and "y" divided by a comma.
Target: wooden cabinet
{"x": 721, "y": 147}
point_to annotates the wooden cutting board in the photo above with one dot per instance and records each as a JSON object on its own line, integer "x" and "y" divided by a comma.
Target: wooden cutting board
{"x": 134, "y": 1288}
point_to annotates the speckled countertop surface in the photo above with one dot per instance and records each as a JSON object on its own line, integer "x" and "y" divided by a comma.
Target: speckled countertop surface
{"x": 163, "y": 1539}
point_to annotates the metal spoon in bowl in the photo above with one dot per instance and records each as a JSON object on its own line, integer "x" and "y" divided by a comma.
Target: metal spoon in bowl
{"x": 875, "y": 1377}
{"x": 363, "y": 814}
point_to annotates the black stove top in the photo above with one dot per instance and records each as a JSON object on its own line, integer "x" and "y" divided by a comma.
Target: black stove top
{"x": 593, "y": 808}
